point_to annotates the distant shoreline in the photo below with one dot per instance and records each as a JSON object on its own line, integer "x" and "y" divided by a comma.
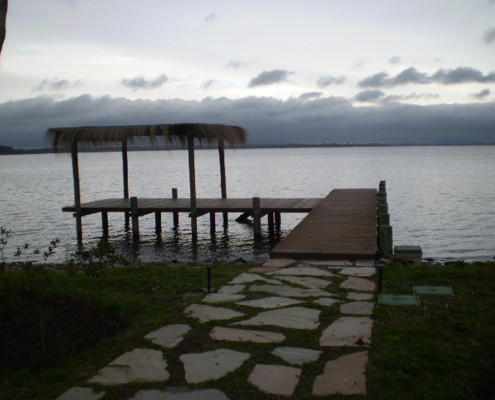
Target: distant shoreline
{"x": 7, "y": 150}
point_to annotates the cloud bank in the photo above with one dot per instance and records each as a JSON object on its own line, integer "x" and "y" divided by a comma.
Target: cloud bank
{"x": 23, "y": 123}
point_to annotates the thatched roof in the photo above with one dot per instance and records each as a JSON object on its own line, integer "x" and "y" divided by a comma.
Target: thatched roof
{"x": 100, "y": 136}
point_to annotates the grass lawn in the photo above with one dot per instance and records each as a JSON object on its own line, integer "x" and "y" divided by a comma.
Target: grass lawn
{"x": 57, "y": 329}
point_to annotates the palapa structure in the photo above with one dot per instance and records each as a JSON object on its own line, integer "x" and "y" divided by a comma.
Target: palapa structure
{"x": 75, "y": 138}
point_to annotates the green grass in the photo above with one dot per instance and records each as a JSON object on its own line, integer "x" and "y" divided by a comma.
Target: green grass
{"x": 443, "y": 349}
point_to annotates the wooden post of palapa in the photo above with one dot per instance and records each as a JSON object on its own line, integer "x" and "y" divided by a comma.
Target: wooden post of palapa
{"x": 192, "y": 185}
{"x": 176, "y": 214}
{"x": 158, "y": 222}
{"x": 271, "y": 227}
{"x": 223, "y": 178}
{"x": 135, "y": 217}
{"x": 77, "y": 192}
{"x": 125, "y": 176}
{"x": 257, "y": 217}
{"x": 278, "y": 220}
{"x": 212, "y": 223}
{"x": 104, "y": 223}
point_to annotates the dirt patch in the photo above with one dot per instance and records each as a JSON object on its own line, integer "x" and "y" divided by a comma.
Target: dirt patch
{"x": 36, "y": 332}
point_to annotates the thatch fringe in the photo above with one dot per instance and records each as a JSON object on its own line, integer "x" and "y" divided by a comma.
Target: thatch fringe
{"x": 101, "y": 136}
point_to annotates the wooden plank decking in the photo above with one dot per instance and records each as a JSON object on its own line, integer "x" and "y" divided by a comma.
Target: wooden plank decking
{"x": 147, "y": 205}
{"x": 341, "y": 227}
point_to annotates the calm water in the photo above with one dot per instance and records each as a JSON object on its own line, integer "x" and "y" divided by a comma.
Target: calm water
{"x": 441, "y": 198}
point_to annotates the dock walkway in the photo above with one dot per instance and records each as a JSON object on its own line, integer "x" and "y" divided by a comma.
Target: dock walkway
{"x": 343, "y": 226}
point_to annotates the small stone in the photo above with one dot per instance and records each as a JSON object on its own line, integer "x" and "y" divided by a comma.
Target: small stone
{"x": 244, "y": 335}
{"x": 327, "y": 302}
{"x": 359, "y": 296}
{"x": 274, "y": 282}
{"x": 275, "y": 379}
{"x": 81, "y": 393}
{"x": 206, "y": 313}
{"x": 345, "y": 375}
{"x": 304, "y": 271}
{"x": 296, "y": 355}
{"x": 356, "y": 283}
{"x": 292, "y": 317}
{"x": 200, "y": 367}
{"x": 278, "y": 263}
{"x": 306, "y": 281}
{"x": 232, "y": 289}
{"x": 357, "y": 271}
{"x": 222, "y": 298}
{"x": 348, "y": 331}
{"x": 269, "y": 302}
{"x": 168, "y": 336}
{"x": 357, "y": 308}
{"x": 180, "y": 394}
{"x": 288, "y": 291}
{"x": 138, "y": 365}
{"x": 246, "y": 278}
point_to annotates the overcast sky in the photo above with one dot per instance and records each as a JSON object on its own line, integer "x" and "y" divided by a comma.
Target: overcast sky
{"x": 307, "y": 71}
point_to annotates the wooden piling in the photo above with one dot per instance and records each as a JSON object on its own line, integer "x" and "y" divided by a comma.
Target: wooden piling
{"x": 158, "y": 222}
{"x": 212, "y": 223}
{"x": 278, "y": 220}
{"x": 382, "y": 209}
{"x": 257, "y": 217}
{"x": 271, "y": 226}
{"x": 223, "y": 177}
{"x": 385, "y": 240}
{"x": 77, "y": 193}
{"x": 125, "y": 178}
{"x": 176, "y": 214}
{"x": 383, "y": 219}
{"x": 104, "y": 223}
{"x": 135, "y": 217}
{"x": 192, "y": 185}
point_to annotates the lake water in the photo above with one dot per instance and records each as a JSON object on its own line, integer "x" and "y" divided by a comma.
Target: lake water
{"x": 441, "y": 198}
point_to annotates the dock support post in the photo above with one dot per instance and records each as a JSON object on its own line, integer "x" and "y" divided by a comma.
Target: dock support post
{"x": 385, "y": 240}
{"x": 125, "y": 176}
{"x": 223, "y": 178}
{"x": 212, "y": 223}
{"x": 77, "y": 193}
{"x": 176, "y": 214}
{"x": 104, "y": 223}
{"x": 271, "y": 227}
{"x": 135, "y": 217}
{"x": 158, "y": 222}
{"x": 382, "y": 209}
{"x": 383, "y": 219}
{"x": 278, "y": 220}
{"x": 192, "y": 185}
{"x": 257, "y": 217}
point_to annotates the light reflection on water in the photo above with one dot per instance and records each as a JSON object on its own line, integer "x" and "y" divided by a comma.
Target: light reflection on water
{"x": 440, "y": 198}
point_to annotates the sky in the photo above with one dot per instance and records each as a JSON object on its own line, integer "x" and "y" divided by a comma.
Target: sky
{"x": 289, "y": 72}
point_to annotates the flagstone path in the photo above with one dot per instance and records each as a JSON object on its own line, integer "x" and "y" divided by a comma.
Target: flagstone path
{"x": 330, "y": 301}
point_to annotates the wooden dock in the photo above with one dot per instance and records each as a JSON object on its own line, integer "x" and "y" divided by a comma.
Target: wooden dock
{"x": 343, "y": 226}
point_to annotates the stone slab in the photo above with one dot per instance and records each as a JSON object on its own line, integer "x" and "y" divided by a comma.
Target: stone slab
{"x": 357, "y": 308}
{"x": 168, "y": 336}
{"x": 275, "y": 379}
{"x": 200, "y": 367}
{"x": 288, "y": 291}
{"x": 138, "y": 365}
{"x": 213, "y": 298}
{"x": 437, "y": 291}
{"x": 263, "y": 270}
{"x": 399, "y": 299}
{"x": 357, "y": 283}
{"x": 81, "y": 393}
{"x": 180, "y": 394}
{"x": 205, "y": 313}
{"x": 245, "y": 335}
{"x": 292, "y": 317}
{"x": 326, "y": 302}
{"x": 278, "y": 263}
{"x": 306, "y": 281}
{"x": 359, "y": 296}
{"x": 269, "y": 302}
{"x": 296, "y": 355}
{"x": 357, "y": 271}
{"x": 304, "y": 271}
{"x": 348, "y": 331}
{"x": 246, "y": 278}
{"x": 344, "y": 375}
{"x": 231, "y": 289}
{"x": 274, "y": 282}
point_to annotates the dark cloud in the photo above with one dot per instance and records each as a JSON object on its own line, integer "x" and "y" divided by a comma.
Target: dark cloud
{"x": 482, "y": 94}
{"x": 369, "y": 96}
{"x": 55, "y": 84}
{"x": 488, "y": 36}
{"x": 310, "y": 95}
{"x": 413, "y": 76}
{"x": 269, "y": 77}
{"x": 208, "y": 84}
{"x": 210, "y": 18}
{"x": 236, "y": 63}
{"x": 138, "y": 82}
{"x": 23, "y": 123}
{"x": 395, "y": 60}
{"x": 325, "y": 81}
